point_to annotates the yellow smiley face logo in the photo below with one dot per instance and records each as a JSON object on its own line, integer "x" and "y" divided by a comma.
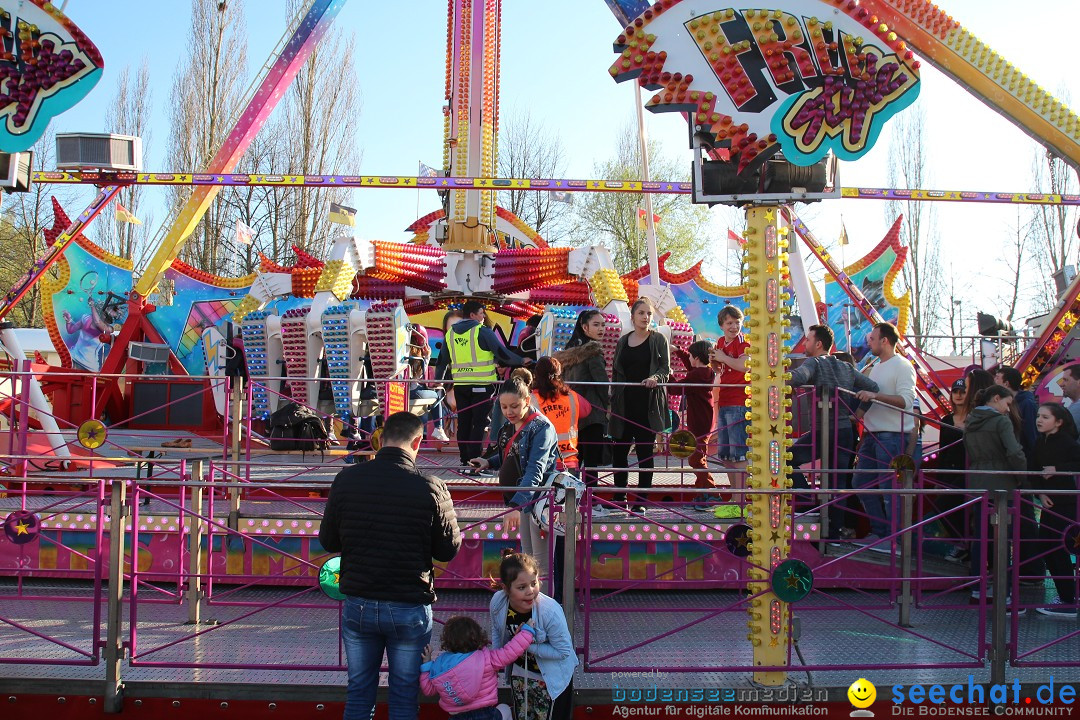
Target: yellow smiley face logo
{"x": 862, "y": 693}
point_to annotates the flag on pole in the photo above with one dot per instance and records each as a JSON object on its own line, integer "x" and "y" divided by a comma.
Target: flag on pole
{"x": 342, "y": 215}
{"x": 427, "y": 171}
{"x": 843, "y": 234}
{"x": 641, "y": 218}
{"x": 734, "y": 240}
{"x": 124, "y": 215}
{"x": 245, "y": 234}
{"x": 563, "y": 196}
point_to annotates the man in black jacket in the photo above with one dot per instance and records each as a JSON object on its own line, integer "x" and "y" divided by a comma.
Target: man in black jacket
{"x": 389, "y": 521}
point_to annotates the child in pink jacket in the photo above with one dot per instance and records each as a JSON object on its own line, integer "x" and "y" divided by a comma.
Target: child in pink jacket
{"x": 466, "y": 675}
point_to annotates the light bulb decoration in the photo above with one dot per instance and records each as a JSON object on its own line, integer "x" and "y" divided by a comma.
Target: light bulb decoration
{"x": 768, "y": 430}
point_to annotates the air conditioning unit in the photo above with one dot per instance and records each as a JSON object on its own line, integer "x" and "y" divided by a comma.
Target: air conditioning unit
{"x": 100, "y": 151}
{"x": 15, "y": 171}
{"x": 148, "y": 352}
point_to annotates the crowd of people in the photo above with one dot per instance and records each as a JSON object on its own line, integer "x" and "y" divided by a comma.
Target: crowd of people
{"x": 998, "y": 437}
{"x": 390, "y": 521}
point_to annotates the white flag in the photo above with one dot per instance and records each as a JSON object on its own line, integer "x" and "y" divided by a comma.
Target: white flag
{"x": 245, "y": 234}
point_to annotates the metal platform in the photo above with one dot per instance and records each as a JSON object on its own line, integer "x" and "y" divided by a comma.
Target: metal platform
{"x": 261, "y": 628}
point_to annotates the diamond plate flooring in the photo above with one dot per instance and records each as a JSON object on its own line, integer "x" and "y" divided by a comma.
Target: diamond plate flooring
{"x": 299, "y": 629}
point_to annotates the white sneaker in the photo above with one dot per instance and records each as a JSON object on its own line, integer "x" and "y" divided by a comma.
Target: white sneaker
{"x": 440, "y": 435}
{"x": 600, "y": 511}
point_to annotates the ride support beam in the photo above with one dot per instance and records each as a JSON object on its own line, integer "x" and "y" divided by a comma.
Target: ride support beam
{"x": 770, "y": 517}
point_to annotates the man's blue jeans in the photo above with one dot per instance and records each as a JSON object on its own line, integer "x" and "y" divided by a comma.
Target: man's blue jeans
{"x": 368, "y": 628}
{"x": 875, "y": 455}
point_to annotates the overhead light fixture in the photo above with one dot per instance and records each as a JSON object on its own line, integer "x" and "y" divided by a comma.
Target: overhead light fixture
{"x": 990, "y": 325}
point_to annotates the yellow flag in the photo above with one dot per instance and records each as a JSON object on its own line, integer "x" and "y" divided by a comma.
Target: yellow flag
{"x": 843, "y": 234}
{"x": 124, "y": 215}
{"x": 342, "y": 215}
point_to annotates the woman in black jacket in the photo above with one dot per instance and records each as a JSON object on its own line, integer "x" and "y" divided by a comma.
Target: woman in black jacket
{"x": 1056, "y": 451}
{"x": 583, "y": 362}
{"x": 639, "y": 400}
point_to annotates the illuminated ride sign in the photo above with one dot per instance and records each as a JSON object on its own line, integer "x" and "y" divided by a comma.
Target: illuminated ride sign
{"x": 803, "y": 78}
{"x": 47, "y": 65}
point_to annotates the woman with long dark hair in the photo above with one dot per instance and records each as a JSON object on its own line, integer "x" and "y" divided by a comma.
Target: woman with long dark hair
{"x": 1057, "y": 451}
{"x": 639, "y": 401}
{"x": 583, "y": 362}
{"x": 994, "y": 454}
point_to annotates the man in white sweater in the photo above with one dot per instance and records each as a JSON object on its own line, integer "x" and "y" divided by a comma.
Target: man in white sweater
{"x": 889, "y": 423}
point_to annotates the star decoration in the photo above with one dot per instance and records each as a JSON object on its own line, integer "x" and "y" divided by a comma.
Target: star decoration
{"x": 773, "y": 430}
{"x": 775, "y": 483}
{"x": 772, "y": 374}
{"x": 792, "y": 580}
{"x": 1076, "y": 541}
{"x": 21, "y": 528}
{"x": 774, "y": 536}
{"x": 742, "y": 541}
{"x": 770, "y": 215}
{"x": 770, "y": 268}
{"x": 773, "y": 642}
{"x": 337, "y": 578}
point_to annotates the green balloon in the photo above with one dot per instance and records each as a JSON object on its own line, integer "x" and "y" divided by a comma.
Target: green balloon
{"x": 329, "y": 578}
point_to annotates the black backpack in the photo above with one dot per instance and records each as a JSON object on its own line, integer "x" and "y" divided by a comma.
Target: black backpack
{"x": 295, "y": 427}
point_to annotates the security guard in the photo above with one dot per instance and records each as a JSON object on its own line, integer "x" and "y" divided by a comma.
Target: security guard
{"x": 471, "y": 351}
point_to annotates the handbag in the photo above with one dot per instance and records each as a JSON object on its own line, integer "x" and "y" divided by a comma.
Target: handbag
{"x": 510, "y": 470}
{"x": 549, "y": 507}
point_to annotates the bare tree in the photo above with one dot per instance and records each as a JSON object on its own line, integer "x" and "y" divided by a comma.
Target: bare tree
{"x": 922, "y": 272}
{"x": 206, "y": 96}
{"x": 611, "y": 219}
{"x": 22, "y": 232}
{"x": 528, "y": 150}
{"x": 1053, "y": 227}
{"x": 323, "y": 108}
{"x": 266, "y": 209}
{"x": 128, "y": 114}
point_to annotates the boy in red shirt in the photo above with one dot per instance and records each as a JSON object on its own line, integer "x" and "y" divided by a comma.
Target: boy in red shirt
{"x": 730, "y": 360}
{"x": 697, "y": 388}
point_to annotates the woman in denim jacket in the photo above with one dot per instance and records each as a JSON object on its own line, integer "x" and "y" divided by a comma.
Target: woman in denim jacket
{"x": 541, "y": 680}
{"x": 530, "y": 439}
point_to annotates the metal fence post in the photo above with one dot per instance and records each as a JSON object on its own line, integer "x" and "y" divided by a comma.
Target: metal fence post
{"x": 114, "y": 650}
{"x": 195, "y": 533}
{"x": 998, "y": 648}
{"x": 236, "y": 400}
{"x": 827, "y": 483}
{"x": 570, "y": 556}
{"x": 906, "y": 519}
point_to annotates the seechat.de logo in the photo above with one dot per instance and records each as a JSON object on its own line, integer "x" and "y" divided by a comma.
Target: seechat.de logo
{"x": 977, "y": 699}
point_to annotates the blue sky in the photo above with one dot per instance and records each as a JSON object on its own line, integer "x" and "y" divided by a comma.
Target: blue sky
{"x": 555, "y": 57}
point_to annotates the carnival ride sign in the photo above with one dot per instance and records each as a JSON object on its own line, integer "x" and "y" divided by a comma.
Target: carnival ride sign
{"x": 47, "y": 64}
{"x": 801, "y": 77}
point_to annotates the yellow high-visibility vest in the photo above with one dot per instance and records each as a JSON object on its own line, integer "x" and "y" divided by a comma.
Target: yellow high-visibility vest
{"x": 470, "y": 364}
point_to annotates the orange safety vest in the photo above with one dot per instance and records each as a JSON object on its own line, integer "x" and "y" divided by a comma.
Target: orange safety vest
{"x": 563, "y": 414}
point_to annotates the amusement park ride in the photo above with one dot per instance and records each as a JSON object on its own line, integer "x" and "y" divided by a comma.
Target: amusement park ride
{"x": 771, "y": 97}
